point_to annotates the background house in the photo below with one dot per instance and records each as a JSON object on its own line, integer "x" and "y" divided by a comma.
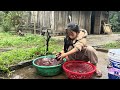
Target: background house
{"x": 57, "y": 20}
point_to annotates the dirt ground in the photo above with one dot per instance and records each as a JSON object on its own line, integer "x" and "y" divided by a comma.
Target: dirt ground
{"x": 93, "y": 40}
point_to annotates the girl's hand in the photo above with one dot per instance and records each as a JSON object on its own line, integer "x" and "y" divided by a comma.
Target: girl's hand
{"x": 63, "y": 55}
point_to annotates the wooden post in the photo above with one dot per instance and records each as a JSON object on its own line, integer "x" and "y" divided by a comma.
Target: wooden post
{"x": 41, "y": 20}
{"x": 34, "y": 22}
{"x": 97, "y": 25}
{"x": 38, "y": 19}
{"x": 82, "y": 19}
{"x": 88, "y": 21}
{"x": 75, "y": 16}
{"x": 28, "y": 20}
{"x": 52, "y": 21}
{"x": 29, "y": 17}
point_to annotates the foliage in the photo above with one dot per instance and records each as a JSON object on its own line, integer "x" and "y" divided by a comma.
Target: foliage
{"x": 8, "y": 40}
{"x": 114, "y": 19}
{"x": 112, "y": 45}
{"x": 10, "y": 19}
{"x": 24, "y": 48}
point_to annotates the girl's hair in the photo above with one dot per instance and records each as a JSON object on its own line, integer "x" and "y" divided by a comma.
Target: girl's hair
{"x": 72, "y": 26}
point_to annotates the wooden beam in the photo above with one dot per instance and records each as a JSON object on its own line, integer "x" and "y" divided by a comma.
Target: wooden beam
{"x": 97, "y": 25}
{"x": 88, "y": 21}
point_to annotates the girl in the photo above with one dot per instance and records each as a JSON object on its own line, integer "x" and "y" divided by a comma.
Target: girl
{"x": 75, "y": 46}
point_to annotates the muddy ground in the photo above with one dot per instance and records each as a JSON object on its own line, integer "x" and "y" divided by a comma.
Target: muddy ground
{"x": 93, "y": 40}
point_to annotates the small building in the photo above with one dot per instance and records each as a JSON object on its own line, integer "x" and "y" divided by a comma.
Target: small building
{"x": 57, "y": 20}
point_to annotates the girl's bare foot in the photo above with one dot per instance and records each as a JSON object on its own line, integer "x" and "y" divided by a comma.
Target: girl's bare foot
{"x": 98, "y": 73}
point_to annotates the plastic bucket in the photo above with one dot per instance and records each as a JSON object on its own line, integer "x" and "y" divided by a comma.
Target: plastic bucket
{"x": 48, "y": 70}
{"x": 114, "y": 64}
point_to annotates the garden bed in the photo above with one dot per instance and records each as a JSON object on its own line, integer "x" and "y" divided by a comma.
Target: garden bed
{"x": 24, "y": 49}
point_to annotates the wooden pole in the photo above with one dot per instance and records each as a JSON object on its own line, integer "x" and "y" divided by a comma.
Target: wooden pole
{"x": 34, "y": 22}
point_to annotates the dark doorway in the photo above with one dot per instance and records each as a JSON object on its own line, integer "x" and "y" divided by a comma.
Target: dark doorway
{"x": 92, "y": 22}
{"x": 102, "y": 30}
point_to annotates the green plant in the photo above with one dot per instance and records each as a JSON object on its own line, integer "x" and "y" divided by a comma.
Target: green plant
{"x": 114, "y": 20}
{"x": 8, "y": 40}
{"x": 24, "y": 48}
{"x": 112, "y": 45}
{"x": 6, "y": 23}
{"x": 10, "y": 19}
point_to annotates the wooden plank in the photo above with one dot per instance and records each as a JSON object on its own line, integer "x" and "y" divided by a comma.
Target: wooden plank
{"x": 60, "y": 21}
{"x": 40, "y": 17}
{"x": 66, "y": 18}
{"x": 33, "y": 13}
{"x": 29, "y": 17}
{"x": 79, "y": 22}
{"x": 34, "y": 23}
{"x": 75, "y": 17}
{"x": 82, "y": 19}
{"x": 60, "y": 25}
{"x": 56, "y": 20}
{"x": 52, "y": 21}
{"x": 41, "y": 20}
{"x": 63, "y": 21}
{"x": 97, "y": 25}
{"x": 48, "y": 15}
{"x": 46, "y": 19}
{"x": 69, "y": 16}
{"x": 88, "y": 21}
